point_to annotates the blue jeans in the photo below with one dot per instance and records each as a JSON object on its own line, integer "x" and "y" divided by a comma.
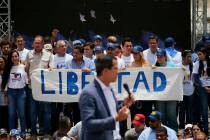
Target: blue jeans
{"x": 168, "y": 113}
{"x": 17, "y": 99}
{"x": 203, "y": 97}
{"x": 45, "y": 109}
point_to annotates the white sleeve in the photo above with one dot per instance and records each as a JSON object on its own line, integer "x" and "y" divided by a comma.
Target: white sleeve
{"x": 26, "y": 78}
{"x": 195, "y": 67}
{"x": 74, "y": 131}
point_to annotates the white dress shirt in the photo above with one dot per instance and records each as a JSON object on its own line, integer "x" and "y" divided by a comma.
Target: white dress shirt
{"x": 149, "y": 56}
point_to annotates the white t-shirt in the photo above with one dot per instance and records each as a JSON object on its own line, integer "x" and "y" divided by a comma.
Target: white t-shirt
{"x": 188, "y": 87}
{"x": 205, "y": 80}
{"x": 61, "y": 62}
{"x": 149, "y": 56}
{"x": 176, "y": 60}
{"x": 120, "y": 63}
{"x": 18, "y": 77}
{"x": 23, "y": 54}
{"x": 127, "y": 59}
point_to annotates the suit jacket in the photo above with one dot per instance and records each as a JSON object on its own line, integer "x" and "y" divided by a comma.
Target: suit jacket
{"x": 97, "y": 122}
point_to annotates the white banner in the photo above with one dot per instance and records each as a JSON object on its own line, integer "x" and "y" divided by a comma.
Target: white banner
{"x": 146, "y": 84}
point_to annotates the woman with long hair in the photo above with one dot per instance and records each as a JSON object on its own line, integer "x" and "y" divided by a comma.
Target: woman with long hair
{"x": 201, "y": 78}
{"x": 14, "y": 79}
{"x": 185, "y": 106}
{"x": 196, "y": 128}
{"x": 139, "y": 60}
{"x": 144, "y": 107}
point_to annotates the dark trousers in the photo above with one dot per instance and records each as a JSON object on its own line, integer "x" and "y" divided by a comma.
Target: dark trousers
{"x": 56, "y": 109}
{"x": 200, "y": 108}
{"x": 72, "y": 111}
{"x": 185, "y": 111}
{"x": 27, "y": 108}
{"x": 4, "y": 117}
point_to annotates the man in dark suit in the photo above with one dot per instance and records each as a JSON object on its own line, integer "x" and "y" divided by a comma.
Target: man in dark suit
{"x": 98, "y": 105}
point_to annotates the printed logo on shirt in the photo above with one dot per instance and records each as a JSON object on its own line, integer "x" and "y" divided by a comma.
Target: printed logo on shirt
{"x": 59, "y": 66}
{"x": 16, "y": 76}
{"x": 187, "y": 76}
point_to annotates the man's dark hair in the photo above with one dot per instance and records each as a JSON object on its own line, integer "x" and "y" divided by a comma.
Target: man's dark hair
{"x": 162, "y": 129}
{"x": 64, "y": 122}
{"x": 4, "y": 42}
{"x": 153, "y": 37}
{"x": 104, "y": 62}
{"x": 126, "y": 39}
{"x": 80, "y": 48}
{"x": 89, "y": 44}
{"x": 19, "y": 36}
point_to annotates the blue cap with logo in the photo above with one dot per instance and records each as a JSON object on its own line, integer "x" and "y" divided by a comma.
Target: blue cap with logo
{"x": 98, "y": 49}
{"x": 206, "y": 38}
{"x": 137, "y": 49}
{"x": 169, "y": 42}
{"x": 82, "y": 41}
{"x": 77, "y": 42}
{"x": 97, "y": 37}
{"x": 110, "y": 45}
{"x": 155, "y": 115}
{"x": 161, "y": 52}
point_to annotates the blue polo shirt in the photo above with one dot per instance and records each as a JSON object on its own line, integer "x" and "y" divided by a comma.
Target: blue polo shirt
{"x": 85, "y": 63}
{"x": 150, "y": 134}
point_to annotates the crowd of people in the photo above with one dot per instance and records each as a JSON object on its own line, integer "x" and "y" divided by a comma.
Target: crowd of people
{"x": 162, "y": 120}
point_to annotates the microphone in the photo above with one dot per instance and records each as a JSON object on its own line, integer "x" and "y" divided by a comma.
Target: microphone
{"x": 125, "y": 85}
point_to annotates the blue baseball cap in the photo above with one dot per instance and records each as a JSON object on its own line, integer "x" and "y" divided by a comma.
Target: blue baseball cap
{"x": 205, "y": 37}
{"x": 155, "y": 115}
{"x": 82, "y": 41}
{"x": 77, "y": 42}
{"x": 137, "y": 49}
{"x": 110, "y": 45}
{"x": 97, "y": 37}
{"x": 169, "y": 42}
{"x": 161, "y": 52}
{"x": 98, "y": 49}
